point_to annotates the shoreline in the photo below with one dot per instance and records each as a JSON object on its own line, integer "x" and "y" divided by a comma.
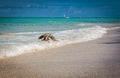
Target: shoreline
{"x": 96, "y": 58}
{"x": 21, "y": 43}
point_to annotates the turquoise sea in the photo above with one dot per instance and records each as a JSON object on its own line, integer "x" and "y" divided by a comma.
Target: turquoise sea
{"x": 19, "y": 35}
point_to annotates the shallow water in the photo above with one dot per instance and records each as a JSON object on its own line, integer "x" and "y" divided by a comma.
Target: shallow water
{"x": 20, "y": 35}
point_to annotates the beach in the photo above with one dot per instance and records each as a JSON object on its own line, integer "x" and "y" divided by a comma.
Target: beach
{"x": 98, "y": 58}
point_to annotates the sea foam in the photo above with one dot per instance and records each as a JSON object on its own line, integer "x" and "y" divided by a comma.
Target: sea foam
{"x": 20, "y": 43}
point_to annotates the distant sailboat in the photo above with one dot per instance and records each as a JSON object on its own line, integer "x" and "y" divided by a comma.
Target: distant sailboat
{"x": 66, "y": 16}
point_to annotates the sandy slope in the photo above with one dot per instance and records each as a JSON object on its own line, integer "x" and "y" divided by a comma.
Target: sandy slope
{"x": 94, "y": 59}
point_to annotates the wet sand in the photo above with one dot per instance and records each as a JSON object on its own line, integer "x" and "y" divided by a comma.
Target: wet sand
{"x": 93, "y": 59}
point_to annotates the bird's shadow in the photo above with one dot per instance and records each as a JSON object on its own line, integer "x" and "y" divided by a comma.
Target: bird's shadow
{"x": 117, "y": 42}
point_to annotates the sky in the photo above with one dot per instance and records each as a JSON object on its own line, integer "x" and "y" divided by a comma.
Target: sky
{"x": 57, "y": 8}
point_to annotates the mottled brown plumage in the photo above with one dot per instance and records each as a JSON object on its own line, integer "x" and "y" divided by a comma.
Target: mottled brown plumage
{"x": 47, "y": 37}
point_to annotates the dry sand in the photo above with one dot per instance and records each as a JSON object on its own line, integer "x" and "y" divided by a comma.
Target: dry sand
{"x": 93, "y": 59}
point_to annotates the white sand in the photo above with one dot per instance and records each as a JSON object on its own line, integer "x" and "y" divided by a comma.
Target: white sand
{"x": 94, "y": 59}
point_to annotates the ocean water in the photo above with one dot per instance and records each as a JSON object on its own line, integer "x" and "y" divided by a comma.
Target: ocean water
{"x": 20, "y": 35}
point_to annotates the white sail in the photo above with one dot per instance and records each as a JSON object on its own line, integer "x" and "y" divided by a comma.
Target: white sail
{"x": 66, "y": 16}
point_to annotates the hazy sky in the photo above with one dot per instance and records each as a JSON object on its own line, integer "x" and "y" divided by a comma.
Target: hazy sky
{"x": 57, "y": 8}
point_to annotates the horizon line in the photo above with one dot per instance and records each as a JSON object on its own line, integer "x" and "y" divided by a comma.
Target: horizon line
{"x": 57, "y": 17}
